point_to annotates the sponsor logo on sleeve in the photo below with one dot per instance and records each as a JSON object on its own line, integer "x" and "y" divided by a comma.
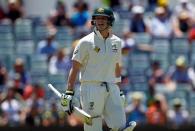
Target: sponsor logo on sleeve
{"x": 114, "y": 48}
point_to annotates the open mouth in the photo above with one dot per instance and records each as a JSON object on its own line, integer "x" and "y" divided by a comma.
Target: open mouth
{"x": 100, "y": 24}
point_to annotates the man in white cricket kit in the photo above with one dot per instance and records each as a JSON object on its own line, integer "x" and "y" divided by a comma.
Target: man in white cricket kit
{"x": 97, "y": 58}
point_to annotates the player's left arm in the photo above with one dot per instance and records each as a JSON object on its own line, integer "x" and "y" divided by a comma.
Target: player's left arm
{"x": 118, "y": 65}
{"x": 118, "y": 74}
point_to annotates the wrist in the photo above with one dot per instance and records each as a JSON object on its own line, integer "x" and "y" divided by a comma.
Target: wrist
{"x": 69, "y": 92}
{"x": 121, "y": 93}
{"x": 118, "y": 79}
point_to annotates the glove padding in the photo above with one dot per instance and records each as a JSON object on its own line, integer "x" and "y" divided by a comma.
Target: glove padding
{"x": 66, "y": 101}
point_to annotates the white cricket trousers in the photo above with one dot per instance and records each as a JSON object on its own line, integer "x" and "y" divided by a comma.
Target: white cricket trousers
{"x": 102, "y": 104}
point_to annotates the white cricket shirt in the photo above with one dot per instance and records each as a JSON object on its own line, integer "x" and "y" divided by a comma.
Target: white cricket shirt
{"x": 98, "y": 57}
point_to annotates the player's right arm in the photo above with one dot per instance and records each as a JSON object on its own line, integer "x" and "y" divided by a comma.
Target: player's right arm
{"x": 77, "y": 60}
{"x": 66, "y": 99}
{"x": 78, "y": 56}
{"x": 73, "y": 75}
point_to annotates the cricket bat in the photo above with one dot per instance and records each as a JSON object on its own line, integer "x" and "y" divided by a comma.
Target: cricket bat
{"x": 84, "y": 116}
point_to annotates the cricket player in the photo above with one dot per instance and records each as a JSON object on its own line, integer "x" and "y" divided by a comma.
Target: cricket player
{"x": 97, "y": 58}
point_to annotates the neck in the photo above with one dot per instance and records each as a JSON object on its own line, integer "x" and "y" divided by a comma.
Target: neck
{"x": 105, "y": 33}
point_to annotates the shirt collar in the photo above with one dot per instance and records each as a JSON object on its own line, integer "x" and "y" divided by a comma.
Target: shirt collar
{"x": 99, "y": 34}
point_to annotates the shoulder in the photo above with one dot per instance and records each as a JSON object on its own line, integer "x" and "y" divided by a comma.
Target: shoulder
{"x": 115, "y": 39}
{"x": 88, "y": 37}
{"x": 86, "y": 41}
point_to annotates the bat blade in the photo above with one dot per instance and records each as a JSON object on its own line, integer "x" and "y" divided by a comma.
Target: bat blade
{"x": 81, "y": 114}
{"x": 85, "y": 117}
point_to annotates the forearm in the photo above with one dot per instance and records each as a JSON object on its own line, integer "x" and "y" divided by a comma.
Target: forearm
{"x": 118, "y": 75}
{"x": 71, "y": 79}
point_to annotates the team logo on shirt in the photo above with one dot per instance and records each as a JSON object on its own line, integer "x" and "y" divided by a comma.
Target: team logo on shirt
{"x": 114, "y": 48}
{"x": 96, "y": 49}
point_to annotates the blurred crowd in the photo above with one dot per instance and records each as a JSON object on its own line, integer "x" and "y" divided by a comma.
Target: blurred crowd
{"x": 159, "y": 90}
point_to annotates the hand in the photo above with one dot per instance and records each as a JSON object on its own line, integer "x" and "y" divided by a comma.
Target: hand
{"x": 66, "y": 101}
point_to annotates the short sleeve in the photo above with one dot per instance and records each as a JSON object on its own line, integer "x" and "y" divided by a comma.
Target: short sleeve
{"x": 80, "y": 52}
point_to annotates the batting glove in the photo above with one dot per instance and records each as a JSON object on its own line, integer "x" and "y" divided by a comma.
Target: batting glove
{"x": 66, "y": 101}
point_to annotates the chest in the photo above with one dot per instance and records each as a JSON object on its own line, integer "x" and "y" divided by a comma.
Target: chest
{"x": 106, "y": 46}
{"x": 103, "y": 50}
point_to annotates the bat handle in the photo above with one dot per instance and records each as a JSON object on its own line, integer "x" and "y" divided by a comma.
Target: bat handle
{"x": 54, "y": 90}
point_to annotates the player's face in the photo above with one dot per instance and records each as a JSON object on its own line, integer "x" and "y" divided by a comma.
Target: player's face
{"x": 101, "y": 22}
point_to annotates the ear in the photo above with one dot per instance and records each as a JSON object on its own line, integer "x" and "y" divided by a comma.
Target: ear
{"x": 109, "y": 23}
{"x": 92, "y": 22}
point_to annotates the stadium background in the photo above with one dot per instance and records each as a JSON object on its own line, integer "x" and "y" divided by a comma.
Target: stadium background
{"x": 22, "y": 42}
